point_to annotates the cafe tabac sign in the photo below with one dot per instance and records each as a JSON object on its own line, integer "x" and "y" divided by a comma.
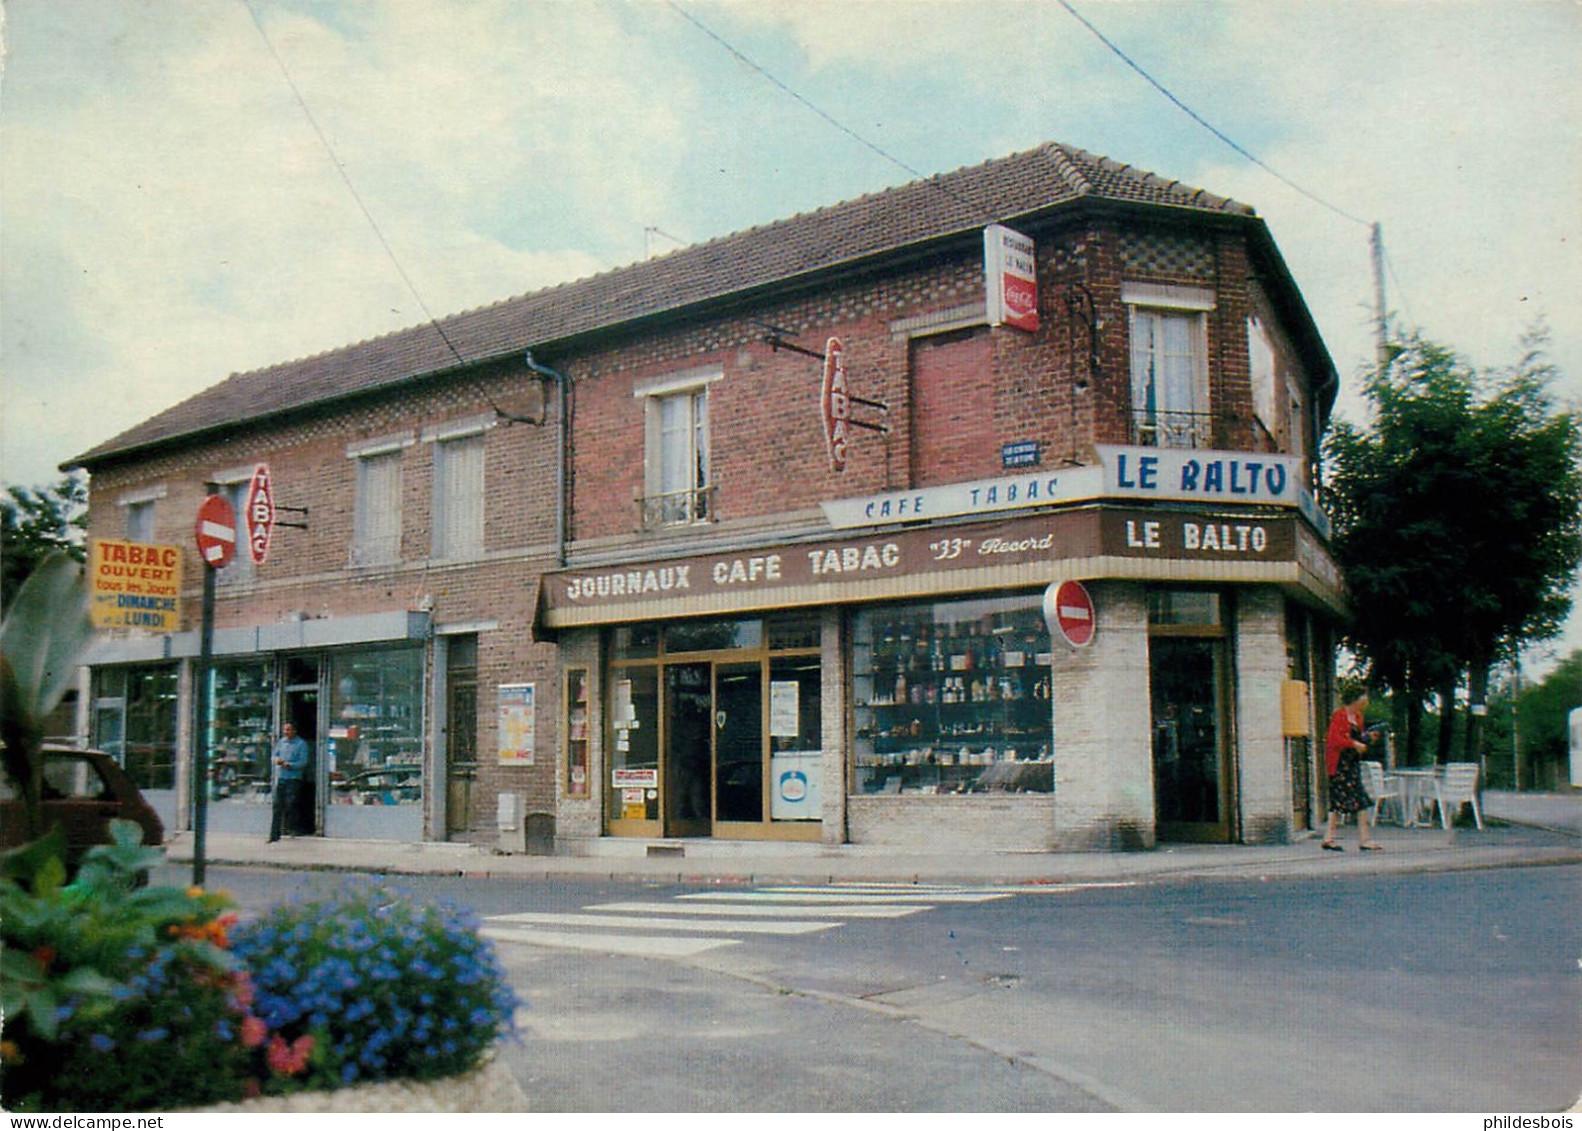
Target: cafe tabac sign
{"x": 913, "y": 562}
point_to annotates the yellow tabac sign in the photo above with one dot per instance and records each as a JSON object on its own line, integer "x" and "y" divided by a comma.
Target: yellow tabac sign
{"x": 135, "y": 585}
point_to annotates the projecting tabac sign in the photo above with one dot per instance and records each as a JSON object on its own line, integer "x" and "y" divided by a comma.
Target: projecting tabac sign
{"x": 1011, "y": 274}
{"x": 836, "y": 404}
{"x": 135, "y": 585}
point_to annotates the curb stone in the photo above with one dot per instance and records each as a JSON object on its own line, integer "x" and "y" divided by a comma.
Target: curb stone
{"x": 489, "y": 1088}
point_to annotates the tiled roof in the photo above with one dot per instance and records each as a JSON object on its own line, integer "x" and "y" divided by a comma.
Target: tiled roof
{"x": 949, "y": 204}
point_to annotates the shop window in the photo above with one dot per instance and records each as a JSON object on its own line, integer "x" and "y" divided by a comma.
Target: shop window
{"x": 241, "y": 731}
{"x": 1185, "y": 608}
{"x": 953, "y": 697}
{"x": 1169, "y": 364}
{"x": 635, "y": 642}
{"x": 458, "y": 497}
{"x": 712, "y": 635}
{"x": 677, "y": 486}
{"x": 374, "y": 747}
{"x": 634, "y": 744}
{"x": 134, "y": 720}
{"x": 376, "y": 527}
{"x": 801, "y": 629}
{"x": 796, "y": 738}
{"x": 577, "y": 720}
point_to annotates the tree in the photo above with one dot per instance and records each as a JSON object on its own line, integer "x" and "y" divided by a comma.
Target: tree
{"x": 36, "y": 522}
{"x": 1544, "y": 711}
{"x": 1458, "y": 521}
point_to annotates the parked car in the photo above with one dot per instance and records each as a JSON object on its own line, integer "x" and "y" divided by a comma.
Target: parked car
{"x": 84, "y": 790}
{"x": 383, "y": 785}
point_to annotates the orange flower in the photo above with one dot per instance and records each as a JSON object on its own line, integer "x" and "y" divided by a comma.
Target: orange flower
{"x": 288, "y": 1060}
{"x": 254, "y": 1031}
{"x": 9, "y": 1053}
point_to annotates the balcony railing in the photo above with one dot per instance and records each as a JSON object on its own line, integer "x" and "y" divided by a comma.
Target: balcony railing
{"x": 1173, "y": 429}
{"x": 677, "y": 508}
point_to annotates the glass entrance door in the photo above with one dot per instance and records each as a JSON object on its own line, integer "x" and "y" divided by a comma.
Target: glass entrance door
{"x": 700, "y": 714}
{"x": 688, "y": 731}
{"x": 739, "y": 744}
{"x": 1191, "y": 797}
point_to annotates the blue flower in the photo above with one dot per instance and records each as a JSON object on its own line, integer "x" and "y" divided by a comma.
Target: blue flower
{"x": 151, "y": 1035}
{"x": 101, "y": 1043}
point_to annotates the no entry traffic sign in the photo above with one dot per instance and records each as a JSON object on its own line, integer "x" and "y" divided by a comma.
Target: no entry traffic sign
{"x": 216, "y": 531}
{"x": 1069, "y": 610}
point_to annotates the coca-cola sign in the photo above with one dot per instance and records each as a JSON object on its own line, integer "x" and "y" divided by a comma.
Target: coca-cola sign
{"x": 1011, "y": 273}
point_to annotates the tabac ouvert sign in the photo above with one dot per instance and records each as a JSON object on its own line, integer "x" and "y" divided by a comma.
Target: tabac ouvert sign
{"x": 135, "y": 586}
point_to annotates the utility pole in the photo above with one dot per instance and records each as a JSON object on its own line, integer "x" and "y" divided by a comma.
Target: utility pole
{"x": 1376, "y": 248}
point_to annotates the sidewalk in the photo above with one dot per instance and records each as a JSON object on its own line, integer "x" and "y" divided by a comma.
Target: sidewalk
{"x": 1523, "y": 829}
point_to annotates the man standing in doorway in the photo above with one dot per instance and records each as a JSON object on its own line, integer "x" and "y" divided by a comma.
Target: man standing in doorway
{"x": 291, "y": 763}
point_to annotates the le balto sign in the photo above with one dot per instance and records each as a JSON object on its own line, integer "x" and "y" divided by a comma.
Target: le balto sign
{"x": 822, "y": 570}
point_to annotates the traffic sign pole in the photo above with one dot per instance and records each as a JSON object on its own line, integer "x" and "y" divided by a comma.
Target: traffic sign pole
{"x": 216, "y": 536}
{"x": 200, "y": 745}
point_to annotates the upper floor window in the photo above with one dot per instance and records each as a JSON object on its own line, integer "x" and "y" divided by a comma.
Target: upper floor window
{"x": 140, "y": 521}
{"x": 458, "y": 496}
{"x": 376, "y": 526}
{"x": 1169, "y": 363}
{"x": 138, "y": 510}
{"x": 677, "y": 485}
{"x": 234, "y": 486}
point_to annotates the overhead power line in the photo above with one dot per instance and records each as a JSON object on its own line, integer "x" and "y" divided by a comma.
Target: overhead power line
{"x": 754, "y": 65}
{"x": 362, "y": 206}
{"x": 1200, "y": 120}
{"x": 352, "y": 188}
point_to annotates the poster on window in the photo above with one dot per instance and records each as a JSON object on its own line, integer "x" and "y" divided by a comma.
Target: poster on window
{"x": 517, "y": 724}
{"x": 783, "y": 718}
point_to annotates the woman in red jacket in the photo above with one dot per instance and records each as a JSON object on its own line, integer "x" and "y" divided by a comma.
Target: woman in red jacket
{"x": 1344, "y": 746}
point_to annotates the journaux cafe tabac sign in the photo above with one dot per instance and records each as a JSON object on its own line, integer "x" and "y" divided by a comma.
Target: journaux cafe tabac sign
{"x": 135, "y": 585}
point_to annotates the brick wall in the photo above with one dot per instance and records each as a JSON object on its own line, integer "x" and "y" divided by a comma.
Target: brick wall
{"x": 1103, "y": 749}
{"x": 1263, "y": 771}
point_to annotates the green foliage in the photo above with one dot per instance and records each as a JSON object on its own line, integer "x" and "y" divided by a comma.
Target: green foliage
{"x": 117, "y": 996}
{"x": 1544, "y": 710}
{"x": 373, "y": 986}
{"x": 38, "y": 522}
{"x": 1458, "y": 517}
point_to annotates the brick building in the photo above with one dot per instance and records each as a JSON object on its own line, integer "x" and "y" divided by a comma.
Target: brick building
{"x": 762, "y": 539}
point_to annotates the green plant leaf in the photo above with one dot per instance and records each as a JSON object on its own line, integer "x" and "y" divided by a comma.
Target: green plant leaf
{"x": 46, "y": 632}
{"x": 27, "y": 863}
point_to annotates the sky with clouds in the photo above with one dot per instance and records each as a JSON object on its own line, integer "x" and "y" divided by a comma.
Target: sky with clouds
{"x": 169, "y": 214}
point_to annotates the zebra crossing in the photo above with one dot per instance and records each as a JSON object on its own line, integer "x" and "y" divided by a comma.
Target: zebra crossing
{"x": 696, "y": 922}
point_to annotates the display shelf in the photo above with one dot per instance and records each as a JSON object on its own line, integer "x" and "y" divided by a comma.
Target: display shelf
{"x": 953, "y": 709}
{"x": 240, "y": 732}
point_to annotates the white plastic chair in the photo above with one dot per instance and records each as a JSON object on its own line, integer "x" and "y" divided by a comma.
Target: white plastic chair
{"x": 1382, "y": 788}
{"x": 1457, "y": 785}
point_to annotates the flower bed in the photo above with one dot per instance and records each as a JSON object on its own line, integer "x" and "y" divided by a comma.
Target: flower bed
{"x": 119, "y": 997}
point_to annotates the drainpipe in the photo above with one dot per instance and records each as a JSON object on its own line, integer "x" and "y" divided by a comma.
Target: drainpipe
{"x": 562, "y": 452}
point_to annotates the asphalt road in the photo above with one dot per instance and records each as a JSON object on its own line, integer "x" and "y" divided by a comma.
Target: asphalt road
{"x": 1431, "y": 992}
